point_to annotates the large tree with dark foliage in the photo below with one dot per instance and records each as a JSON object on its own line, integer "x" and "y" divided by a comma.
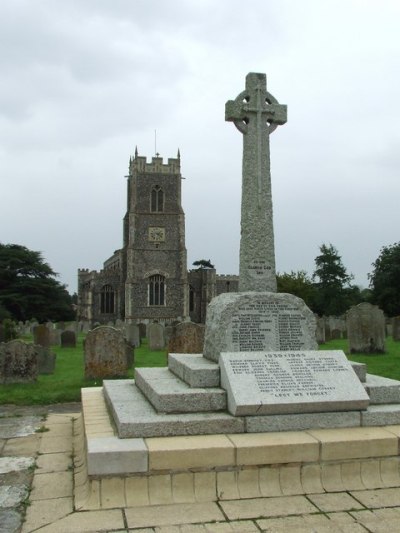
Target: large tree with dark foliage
{"x": 385, "y": 280}
{"x": 334, "y": 293}
{"x": 299, "y": 284}
{"x": 28, "y": 288}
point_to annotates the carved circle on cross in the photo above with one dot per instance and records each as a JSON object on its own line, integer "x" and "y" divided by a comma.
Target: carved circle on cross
{"x": 243, "y": 99}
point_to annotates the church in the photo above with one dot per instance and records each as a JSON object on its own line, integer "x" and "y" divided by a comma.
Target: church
{"x": 147, "y": 279}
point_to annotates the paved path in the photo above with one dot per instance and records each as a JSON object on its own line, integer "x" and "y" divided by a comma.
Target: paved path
{"x": 48, "y": 489}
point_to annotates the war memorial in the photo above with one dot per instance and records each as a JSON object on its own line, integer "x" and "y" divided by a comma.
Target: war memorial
{"x": 261, "y": 412}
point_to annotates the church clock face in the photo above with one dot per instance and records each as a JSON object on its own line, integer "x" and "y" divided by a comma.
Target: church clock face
{"x": 156, "y": 234}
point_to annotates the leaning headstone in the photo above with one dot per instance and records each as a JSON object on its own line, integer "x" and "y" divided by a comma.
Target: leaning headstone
{"x": 41, "y": 335}
{"x": 188, "y": 337}
{"x": 155, "y": 333}
{"x": 396, "y": 328}
{"x": 68, "y": 339}
{"x": 107, "y": 354}
{"x": 366, "y": 329}
{"x": 46, "y": 360}
{"x": 18, "y": 362}
{"x": 252, "y": 322}
{"x": 132, "y": 334}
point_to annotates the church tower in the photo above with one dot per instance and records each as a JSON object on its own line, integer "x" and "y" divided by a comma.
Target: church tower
{"x": 154, "y": 242}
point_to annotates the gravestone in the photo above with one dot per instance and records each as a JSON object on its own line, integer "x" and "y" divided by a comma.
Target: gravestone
{"x": 55, "y": 337}
{"x": 396, "y": 328}
{"x": 46, "y": 360}
{"x": 132, "y": 335}
{"x": 107, "y": 354}
{"x": 18, "y": 362}
{"x": 366, "y": 329}
{"x": 68, "y": 339}
{"x": 320, "y": 331}
{"x": 142, "y": 330}
{"x": 187, "y": 337}
{"x": 41, "y": 335}
{"x": 155, "y": 333}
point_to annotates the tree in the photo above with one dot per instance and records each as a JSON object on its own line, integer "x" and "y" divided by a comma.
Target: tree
{"x": 203, "y": 263}
{"x": 385, "y": 280}
{"x": 28, "y": 287}
{"x": 299, "y": 284}
{"x": 334, "y": 292}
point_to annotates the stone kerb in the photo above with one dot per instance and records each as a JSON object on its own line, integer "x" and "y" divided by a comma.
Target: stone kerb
{"x": 250, "y": 321}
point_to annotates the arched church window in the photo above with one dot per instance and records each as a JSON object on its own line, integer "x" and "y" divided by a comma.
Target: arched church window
{"x": 107, "y": 300}
{"x": 157, "y": 199}
{"x": 157, "y": 290}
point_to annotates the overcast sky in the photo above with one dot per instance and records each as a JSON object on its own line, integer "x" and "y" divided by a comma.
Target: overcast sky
{"x": 85, "y": 81}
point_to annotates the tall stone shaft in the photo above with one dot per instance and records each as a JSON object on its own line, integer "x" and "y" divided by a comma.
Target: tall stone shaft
{"x": 256, "y": 114}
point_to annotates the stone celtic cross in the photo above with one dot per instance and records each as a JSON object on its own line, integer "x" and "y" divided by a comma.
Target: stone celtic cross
{"x": 256, "y": 114}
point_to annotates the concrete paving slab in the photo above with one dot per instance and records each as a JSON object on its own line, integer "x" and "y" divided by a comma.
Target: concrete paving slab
{"x": 15, "y": 464}
{"x": 339, "y": 501}
{"x": 163, "y": 515}
{"x": 51, "y": 444}
{"x": 10, "y": 521}
{"x": 87, "y": 522}
{"x": 27, "y": 446}
{"x": 53, "y": 485}
{"x": 42, "y": 512}
{"x": 267, "y": 507}
{"x": 53, "y": 462}
{"x": 378, "y": 498}
{"x": 19, "y": 426}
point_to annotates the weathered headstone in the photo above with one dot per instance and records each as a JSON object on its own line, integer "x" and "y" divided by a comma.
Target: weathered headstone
{"x": 132, "y": 334}
{"x": 320, "y": 331}
{"x": 366, "y": 329}
{"x": 155, "y": 333}
{"x": 18, "y": 362}
{"x": 55, "y": 337}
{"x": 187, "y": 337}
{"x": 41, "y": 335}
{"x": 142, "y": 330}
{"x": 107, "y": 354}
{"x": 396, "y": 328}
{"x": 68, "y": 339}
{"x": 46, "y": 360}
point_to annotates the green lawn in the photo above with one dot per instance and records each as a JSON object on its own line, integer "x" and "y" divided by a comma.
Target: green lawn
{"x": 66, "y": 382}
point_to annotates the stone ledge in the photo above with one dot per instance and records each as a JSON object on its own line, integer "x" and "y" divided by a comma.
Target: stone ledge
{"x": 194, "y": 369}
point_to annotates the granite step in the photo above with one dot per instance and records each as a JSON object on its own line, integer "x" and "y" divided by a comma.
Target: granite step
{"x": 382, "y": 390}
{"x": 169, "y": 394}
{"x": 194, "y": 369}
{"x": 134, "y": 416}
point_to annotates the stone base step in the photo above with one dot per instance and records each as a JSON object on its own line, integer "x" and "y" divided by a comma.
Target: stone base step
{"x": 194, "y": 369}
{"x": 134, "y": 416}
{"x": 169, "y": 394}
{"x": 382, "y": 390}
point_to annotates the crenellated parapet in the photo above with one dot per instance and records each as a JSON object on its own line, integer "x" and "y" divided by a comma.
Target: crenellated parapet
{"x": 139, "y": 164}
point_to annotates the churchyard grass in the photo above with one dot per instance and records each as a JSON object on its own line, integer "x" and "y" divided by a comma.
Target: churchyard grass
{"x": 387, "y": 364}
{"x": 66, "y": 382}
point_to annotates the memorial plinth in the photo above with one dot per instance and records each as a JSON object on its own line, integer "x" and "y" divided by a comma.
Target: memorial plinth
{"x": 289, "y": 382}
